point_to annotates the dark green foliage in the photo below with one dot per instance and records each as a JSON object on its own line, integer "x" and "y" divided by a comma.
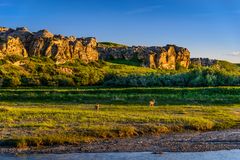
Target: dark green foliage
{"x": 64, "y": 81}
{"x": 11, "y": 82}
{"x": 192, "y": 78}
{"x": 30, "y": 81}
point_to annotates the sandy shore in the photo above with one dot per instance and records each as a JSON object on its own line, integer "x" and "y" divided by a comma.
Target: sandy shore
{"x": 175, "y": 142}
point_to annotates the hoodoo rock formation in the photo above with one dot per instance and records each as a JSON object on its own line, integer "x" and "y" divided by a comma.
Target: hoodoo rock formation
{"x": 206, "y": 62}
{"x": 169, "y": 57}
{"x": 60, "y": 48}
{"x": 43, "y": 43}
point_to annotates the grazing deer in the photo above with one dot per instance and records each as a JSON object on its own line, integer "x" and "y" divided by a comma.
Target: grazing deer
{"x": 152, "y": 103}
{"x": 97, "y": 106}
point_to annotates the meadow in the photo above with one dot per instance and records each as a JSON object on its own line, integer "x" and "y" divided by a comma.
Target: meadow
{"x": 47, "y": 116}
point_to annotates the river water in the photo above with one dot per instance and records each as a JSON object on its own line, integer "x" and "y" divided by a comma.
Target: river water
{"x": 216, "y": 155}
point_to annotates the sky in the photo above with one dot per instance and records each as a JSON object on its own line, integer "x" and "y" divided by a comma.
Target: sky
{"x": 208, "y": 28}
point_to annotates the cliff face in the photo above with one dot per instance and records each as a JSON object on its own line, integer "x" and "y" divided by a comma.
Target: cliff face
{"x": 205, "y": 62}
{"x": 43, "y": 43}
{"x": 60, "y": 48}
{"x": 169, "y": 57}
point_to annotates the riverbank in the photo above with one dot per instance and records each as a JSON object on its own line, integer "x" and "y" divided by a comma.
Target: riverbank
{"x": 175, "y": 142}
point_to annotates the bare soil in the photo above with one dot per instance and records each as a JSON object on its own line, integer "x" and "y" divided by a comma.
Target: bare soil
{"x": 175, "y": 142}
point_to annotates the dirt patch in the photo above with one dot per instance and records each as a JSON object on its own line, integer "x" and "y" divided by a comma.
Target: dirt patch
{"x": 176, "y": 142}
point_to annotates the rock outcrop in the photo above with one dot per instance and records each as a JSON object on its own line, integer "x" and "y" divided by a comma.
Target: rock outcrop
{"x": 22, "y": 42}
{"x": 169, "y": 57}
{"x": 12, "y": 46}
{"x": 205, "y": 62}
{"x": 43, "y": 43}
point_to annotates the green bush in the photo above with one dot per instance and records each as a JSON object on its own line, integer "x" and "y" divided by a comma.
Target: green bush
{"x": 30, "y": 81}
{"x": 11, "y": 82}
{"x": 64, "y": 81}
{"x": 192, "y": 78}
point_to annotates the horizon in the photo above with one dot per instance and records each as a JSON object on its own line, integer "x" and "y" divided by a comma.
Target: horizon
{"x": 207, "y": 29}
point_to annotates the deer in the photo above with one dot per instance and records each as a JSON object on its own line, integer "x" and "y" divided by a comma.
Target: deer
{"x": 97, "y": 107}
{"x": 152, "y": 103}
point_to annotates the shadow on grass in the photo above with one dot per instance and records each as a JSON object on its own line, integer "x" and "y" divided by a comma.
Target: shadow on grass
{"x": 121, "y": 96}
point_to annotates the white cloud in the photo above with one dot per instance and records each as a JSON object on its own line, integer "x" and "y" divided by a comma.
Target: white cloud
{"x": 236, "y": 53}
{"x": 144, "y": 9}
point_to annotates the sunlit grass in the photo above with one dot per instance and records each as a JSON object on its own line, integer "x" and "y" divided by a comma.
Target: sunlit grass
{"x": 83, "y": 123}
{"x": 40, "y": 117}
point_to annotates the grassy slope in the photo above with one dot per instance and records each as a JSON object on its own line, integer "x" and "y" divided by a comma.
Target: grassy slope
{"x": 48, "y": 116}
{"x": 35, "y": 67}
{"x": 122, "y": 67}
{"x": 229, "y": 67}
{"x": 110, "y": 45}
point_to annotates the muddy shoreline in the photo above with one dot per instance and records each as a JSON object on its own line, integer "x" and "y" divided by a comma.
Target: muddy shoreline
{"x": 175, "y": 142}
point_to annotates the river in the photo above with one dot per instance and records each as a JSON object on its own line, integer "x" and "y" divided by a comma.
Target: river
{"x": 215, "y": 155}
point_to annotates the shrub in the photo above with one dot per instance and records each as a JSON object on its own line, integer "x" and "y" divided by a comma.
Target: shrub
{"x": 192, "y": 78}
{"x": 11, "y": 82}
{"x": 30, "y": 81}
{"x": 64, "y": 81}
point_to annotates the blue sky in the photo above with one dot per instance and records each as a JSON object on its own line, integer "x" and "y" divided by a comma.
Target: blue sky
{"x": 209, "y": 28}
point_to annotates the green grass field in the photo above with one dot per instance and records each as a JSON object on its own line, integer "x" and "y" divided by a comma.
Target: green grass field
{"x": 57, "y": 116}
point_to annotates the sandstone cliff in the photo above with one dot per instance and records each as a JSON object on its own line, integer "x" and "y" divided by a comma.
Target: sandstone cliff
{"x": 205, "y": 62}
{"x": 43, "y": 43}
{"x": 60, "y": 48}
{"x": 169, "y": 57}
